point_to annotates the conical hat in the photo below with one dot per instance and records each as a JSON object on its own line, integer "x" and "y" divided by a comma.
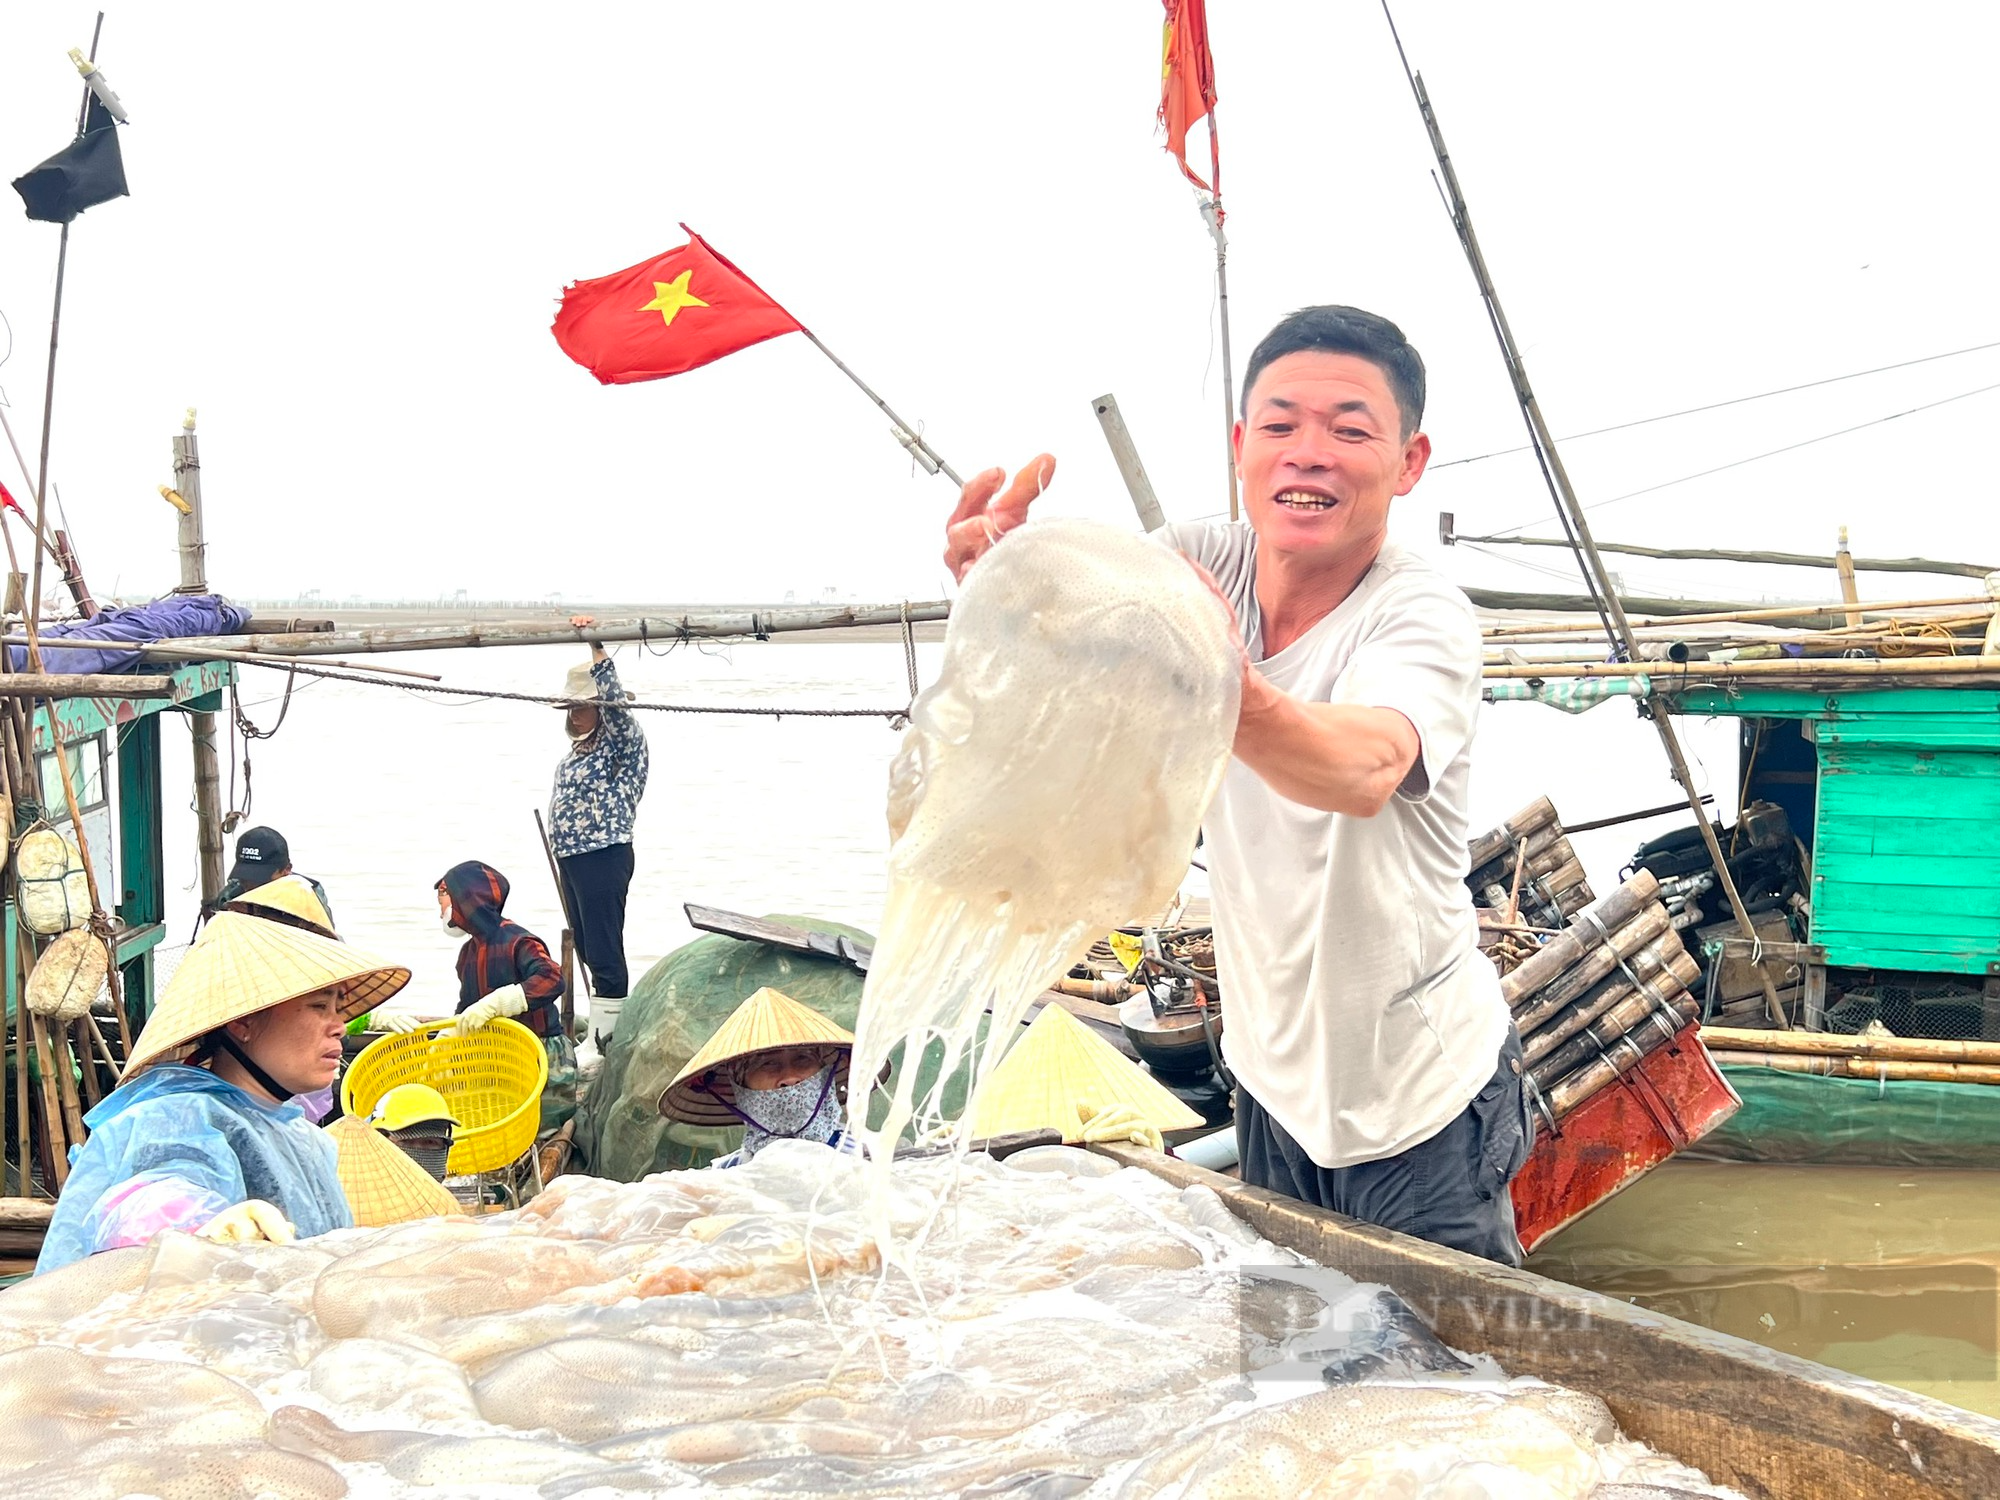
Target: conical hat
{"x": 1059, "y": 1073}
{"x": 768, "y": 1020}
{"x": 288, "y": 896}
{"x": 241, "y": 965}
{"x": 383, "y": 1185}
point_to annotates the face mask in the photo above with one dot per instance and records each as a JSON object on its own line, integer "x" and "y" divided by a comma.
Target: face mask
{"x": 808, "y": 1110}
{"x": 452, "y": 929}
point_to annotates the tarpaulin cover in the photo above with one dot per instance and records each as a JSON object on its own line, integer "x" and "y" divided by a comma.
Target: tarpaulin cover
{"x": 677, "y": 1006}
{"x": 1801, "y": 1117}
{"x": 164, "y": 619}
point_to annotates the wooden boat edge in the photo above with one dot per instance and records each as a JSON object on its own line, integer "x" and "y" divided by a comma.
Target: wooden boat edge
{"x": 1772, "y": 1424}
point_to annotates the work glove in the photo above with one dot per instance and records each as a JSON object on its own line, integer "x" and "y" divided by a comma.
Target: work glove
{"x": 396, "y": 1022}
{"x": 254, "y": 1220}
{"x": 508, "y": 1000}
{"x": 1119, "y": 1122}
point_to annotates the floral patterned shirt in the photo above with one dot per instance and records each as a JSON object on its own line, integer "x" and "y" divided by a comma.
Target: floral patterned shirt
{"x": 599, "y": 783}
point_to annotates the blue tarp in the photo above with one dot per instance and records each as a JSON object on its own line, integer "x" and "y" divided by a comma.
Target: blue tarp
{"x": 163, "y": 619}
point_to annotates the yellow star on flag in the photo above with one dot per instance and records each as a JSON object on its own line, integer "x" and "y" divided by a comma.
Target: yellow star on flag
{"x": 671, "y": 296}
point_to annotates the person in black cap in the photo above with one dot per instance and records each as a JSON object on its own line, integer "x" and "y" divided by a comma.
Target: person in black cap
{"x": 262, "y": 855}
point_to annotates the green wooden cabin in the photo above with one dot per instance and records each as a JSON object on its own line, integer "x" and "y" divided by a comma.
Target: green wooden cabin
{"x": 1896, "y": 794}
{"x": 113, "y": 747}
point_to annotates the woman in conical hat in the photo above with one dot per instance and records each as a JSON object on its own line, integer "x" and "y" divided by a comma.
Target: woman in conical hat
{"x": 204, "y": 1134}
{"x": 774, "y": 1067}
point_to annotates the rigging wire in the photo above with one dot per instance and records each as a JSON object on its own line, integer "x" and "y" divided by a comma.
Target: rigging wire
{"x": 1690, "y": 411}
{"x": 1755, "y": 457}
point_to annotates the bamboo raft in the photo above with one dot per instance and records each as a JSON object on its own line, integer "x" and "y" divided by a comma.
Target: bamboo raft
{"x": 1773, "y": 1425}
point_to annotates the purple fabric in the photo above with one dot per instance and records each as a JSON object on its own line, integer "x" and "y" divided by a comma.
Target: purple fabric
{"x": 164, "y": 619}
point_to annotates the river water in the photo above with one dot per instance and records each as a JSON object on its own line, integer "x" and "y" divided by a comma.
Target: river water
{"x": 1889, "y": 1273}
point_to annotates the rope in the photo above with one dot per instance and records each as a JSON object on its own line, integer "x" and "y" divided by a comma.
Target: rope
{"x": 247, "y": 728}
{"x": 892, "y": 715}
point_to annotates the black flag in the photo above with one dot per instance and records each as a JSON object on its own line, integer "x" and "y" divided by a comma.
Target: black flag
{"x": 85, "y": 173}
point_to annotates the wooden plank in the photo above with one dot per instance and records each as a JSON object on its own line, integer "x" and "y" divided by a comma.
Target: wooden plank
{"x": 1864, "y": 915}
{"x": 1844, "y": 794}
{"x": 1920, "y": 734}
{"x": 1961, "y": 884}
{"x": 1903, "y": 951}
{"x": 783, "y": 935}
{"x": 1769, "y": 1423}
{"x": 1901, "y": 835}
{"x": 1946, "y": 763}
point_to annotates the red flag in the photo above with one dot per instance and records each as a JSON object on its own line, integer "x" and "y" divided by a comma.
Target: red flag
{"x": 8, "y": 502}
{"x": 666, "y": 315}
{"x": 1187, "y": 86}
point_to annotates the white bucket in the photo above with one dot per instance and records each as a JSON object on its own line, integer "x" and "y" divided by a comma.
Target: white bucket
{"x": 604, "y": 1017}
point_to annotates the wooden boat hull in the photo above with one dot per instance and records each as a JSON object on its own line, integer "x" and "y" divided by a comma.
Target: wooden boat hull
{"x": 1771, "y": 1424}
{"x": 1673, "y": 1098}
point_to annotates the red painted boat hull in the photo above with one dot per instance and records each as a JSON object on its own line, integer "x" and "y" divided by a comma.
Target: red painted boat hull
{"x": 1673, "y": 1098}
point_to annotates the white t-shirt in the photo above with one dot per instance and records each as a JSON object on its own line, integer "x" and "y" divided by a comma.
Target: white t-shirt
{"x": 1360, "y": 1012}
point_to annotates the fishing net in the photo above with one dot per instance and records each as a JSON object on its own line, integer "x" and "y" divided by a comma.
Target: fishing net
{"x": 1050, "y": 787}
{"x": 677, "y": 1006}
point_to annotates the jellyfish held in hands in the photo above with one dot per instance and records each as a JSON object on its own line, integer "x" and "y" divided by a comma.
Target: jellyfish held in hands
{"x": 1050, "y": 786}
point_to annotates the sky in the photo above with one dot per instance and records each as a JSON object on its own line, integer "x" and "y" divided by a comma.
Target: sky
{"x": 350, "y": 226}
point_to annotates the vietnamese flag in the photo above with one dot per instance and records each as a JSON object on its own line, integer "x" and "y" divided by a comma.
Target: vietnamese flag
{"x": 666, "y": 315}
{"x": 1187, "y": 85}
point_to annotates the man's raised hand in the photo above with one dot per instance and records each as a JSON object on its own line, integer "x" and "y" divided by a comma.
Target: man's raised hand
{"x": 985, "y": 514}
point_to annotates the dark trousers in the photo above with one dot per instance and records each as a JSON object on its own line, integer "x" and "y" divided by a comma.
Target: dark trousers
{"x": 594, "y": 887}
{"x": 1450, "y": 1189}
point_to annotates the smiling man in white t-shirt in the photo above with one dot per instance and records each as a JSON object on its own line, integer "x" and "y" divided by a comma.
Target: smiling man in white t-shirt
{"x": 1377, "y": 1072}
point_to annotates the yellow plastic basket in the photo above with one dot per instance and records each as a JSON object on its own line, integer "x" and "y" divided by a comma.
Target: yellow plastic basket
{"x": 492, "y": 1078}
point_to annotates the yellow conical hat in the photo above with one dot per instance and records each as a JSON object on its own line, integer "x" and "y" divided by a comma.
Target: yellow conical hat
{"x": 1061, "y": 1072}
{"x": 241, "y": 965}
{"x": 288, "y": 896}
{"x": 768, "y": 1020}
{"x": 383, "y": 1184}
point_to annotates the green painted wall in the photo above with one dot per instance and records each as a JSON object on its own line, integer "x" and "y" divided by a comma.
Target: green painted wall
{"x": 1906, "y": 848}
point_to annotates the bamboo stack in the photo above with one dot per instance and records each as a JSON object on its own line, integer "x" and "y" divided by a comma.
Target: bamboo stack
{"x": 1930, "y": 1059}
{"x": 1613, "y": 986}
{"x": 1526, "y": 875}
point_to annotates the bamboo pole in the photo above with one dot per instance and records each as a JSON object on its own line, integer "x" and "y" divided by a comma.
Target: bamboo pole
{"x": 54, "y": 1132}
{"x": 660, "y": 629}
{"x": 1634, "y": 1011}
{"x": 22, "y": 1127}
{"x": 1576, "y": 941}
{"x": 1827, "y": 1044}
{"x": 1930, "y": 565}
{"x": 1569, "y": 510}
{"x": 1834, "y": 611}
{"x": 169, "y": 651}
{"x": 1490, "y": 846}
{"x": 1650, "y": 945}
{"x": 1569, "y": 1093}
{"x": 1843, "y": 564}
{"x": 193, "y": 548}
{"x": 1679, "y": 674}
{"x": 1874, "y": 1069}
{"x": 1651, "y": 926}
{"x": 1672, "y": 975}
{"x": 38, "y": 684}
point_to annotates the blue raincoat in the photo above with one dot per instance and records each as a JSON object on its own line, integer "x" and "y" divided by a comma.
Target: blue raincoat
{"x": 177, "y": 1146}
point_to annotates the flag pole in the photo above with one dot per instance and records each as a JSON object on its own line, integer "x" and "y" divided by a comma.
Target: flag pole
{"x": 907, "y": 435}
{"x": 49, "y": 393}
{"x": 1211, "y": 213}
